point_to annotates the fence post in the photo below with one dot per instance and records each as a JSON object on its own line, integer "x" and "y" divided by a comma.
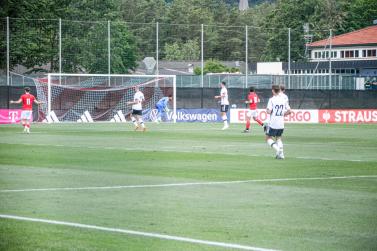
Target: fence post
{"x": 330, "y": 66}
{"x": 289, "y": 58}
{"x": 60, "y": 51}
{"x": 7, "y": 50}
{"x": 246, "y": 56}
{"x": 157, "y": 52}
{"x": 202, "y": 56}
{"x": 109, "y": 50}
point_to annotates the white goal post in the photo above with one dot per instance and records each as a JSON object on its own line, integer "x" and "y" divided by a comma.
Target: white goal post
{"x": 102, "y": 97}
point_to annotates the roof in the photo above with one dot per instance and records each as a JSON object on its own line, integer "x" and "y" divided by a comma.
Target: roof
{"x": 363, "y": 36}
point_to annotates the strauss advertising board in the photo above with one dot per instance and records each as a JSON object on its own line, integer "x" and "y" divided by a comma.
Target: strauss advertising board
{"x": 348, "y": 116}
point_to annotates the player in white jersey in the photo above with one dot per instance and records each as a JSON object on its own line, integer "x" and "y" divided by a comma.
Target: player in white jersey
{"x": 137, "y": 109}
{"x": 224, "y": 102}
{"x": 277, "y": 107}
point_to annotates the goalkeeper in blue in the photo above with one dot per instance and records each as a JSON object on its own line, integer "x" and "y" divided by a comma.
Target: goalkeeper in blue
{"x": 162, "y": 107}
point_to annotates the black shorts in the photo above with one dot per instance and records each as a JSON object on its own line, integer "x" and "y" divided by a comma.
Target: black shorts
{"x": 274, "y": 132}
{"x": 224, "y": 108}
{"x": 137, "y": 112}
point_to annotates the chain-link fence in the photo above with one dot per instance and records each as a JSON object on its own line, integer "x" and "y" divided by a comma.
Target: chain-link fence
{"x": 36, "y": 47}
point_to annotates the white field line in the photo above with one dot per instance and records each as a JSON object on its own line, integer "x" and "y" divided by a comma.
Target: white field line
{"x": 171, "y": 149}
{"x": 138, "y": 233}
{"x": 209, "y": 183}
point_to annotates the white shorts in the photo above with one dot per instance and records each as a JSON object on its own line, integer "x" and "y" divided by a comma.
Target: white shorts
{"x": 26, "y": 114}
{"x": 252, "y": 113}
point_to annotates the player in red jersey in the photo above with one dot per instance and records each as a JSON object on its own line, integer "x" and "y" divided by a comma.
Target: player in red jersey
{"x": 27, "y": 100}
{"x": 252, "y": 100}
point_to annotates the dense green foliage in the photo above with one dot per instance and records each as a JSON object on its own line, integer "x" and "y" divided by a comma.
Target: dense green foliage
{"x": 134, "y": 30}
{"x": 214, "y": 66}
{"x": 184, "y": 51}
{"x": 34, "y": 29}
{"x": 303, "y": 213}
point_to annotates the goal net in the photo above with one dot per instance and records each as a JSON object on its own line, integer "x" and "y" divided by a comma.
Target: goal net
{"x": 101, "y": 97}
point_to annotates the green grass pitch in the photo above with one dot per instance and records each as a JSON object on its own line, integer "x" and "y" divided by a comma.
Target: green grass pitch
{"x": 297, "y": 213}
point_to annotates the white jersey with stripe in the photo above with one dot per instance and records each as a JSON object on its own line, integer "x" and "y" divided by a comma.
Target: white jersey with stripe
{"x": 139, "y": 98}
{"x": 224, "y": 96}
{"x": 278, "y": 105}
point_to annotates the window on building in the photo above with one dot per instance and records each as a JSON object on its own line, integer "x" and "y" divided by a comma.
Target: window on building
{"x": 342, "y": 54}
{"x": 334, "y": 54}
{"x": 356, "y": 54}
{"x": 349, "y": 54}
{"x": 371, "y": 53}
{"x": 364, "y": 53}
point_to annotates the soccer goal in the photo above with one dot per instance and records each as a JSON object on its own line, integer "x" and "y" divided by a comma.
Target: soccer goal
{"x": 102, "y": 97}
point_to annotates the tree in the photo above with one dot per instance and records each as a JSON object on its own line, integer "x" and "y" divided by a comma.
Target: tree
{"x": 322, "y": 15}
{"x": 189, "y": 50}
{"x": 361, "y": 14}
{"x": 256, "y": 18}
{"x": 35, "y": 41}
{"x": 231, "y": 42}
{"x": 184, "y": 19}
{"x": 214, "y": 66}
{"x": 173, "y": 51}
{"x": 141, "y": 17}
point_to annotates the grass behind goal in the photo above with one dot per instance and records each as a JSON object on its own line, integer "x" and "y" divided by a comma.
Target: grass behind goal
{"x": 282, "y": 207}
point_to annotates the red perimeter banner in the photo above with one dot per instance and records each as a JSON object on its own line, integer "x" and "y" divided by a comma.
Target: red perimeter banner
{"x": 348, "y": 116}
{"x": 10, "y": 116}
{"x": 297, "y": 116}
{"x": 351, "y": 116}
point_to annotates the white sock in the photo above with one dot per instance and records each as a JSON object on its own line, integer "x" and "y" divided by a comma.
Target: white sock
{"x": 279, "y": 144}
{"x": 134, "y": 120}
{"x": 141, "y": 122}
{"x": 273, "y": 144}
{"x": 225, "y": 119}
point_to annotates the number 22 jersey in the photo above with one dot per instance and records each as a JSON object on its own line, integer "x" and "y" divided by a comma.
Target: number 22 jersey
{"x": 278, "y": 105}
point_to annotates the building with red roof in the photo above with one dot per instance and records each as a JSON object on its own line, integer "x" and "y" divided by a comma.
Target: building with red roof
{"x": 356, "y": 45}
